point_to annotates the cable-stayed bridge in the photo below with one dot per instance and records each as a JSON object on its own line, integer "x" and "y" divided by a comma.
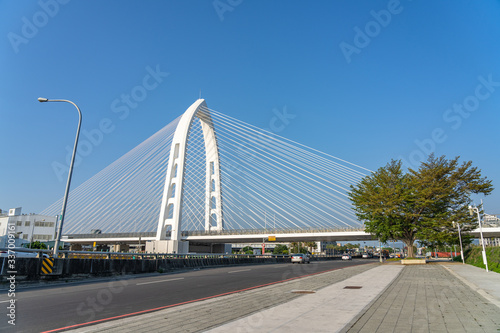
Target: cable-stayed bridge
{"x": 207, "y": 177}
{"x": 208, "y": 173}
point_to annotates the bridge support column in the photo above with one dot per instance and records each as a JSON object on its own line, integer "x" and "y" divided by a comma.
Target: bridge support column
{"x": 171, "y": 207}
{"x": 167, "y": 246}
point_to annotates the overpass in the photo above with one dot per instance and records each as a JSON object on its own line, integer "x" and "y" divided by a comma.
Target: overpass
{"x": 248, "y": 236}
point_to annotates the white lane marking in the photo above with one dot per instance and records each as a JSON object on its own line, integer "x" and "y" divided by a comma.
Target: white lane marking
{"x": 4, "y": 301}
{"x": 241, "y": 270}
{"x": 138, "y": 284}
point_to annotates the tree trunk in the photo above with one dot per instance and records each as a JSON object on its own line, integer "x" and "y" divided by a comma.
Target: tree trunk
{"x": 409, "y": 244}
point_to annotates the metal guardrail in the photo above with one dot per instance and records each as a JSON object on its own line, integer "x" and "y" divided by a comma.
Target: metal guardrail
{"x": 129, "y": 255}
{"x": 153, "y": 256}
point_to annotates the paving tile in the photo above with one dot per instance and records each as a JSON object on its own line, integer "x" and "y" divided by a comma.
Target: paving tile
{"x": 430, "y": 299}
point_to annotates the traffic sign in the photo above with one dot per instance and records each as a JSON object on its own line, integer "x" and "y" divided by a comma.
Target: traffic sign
{"x": 47, "y": 265}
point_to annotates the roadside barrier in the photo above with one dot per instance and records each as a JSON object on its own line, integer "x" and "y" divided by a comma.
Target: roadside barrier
{"x": 80, "y": 264}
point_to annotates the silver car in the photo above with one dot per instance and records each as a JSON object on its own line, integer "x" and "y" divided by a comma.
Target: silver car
{"x": 300, "y": 258}
{"x": 346, "y": 256}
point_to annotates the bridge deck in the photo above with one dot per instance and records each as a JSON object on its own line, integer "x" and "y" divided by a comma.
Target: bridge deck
{"x": 245, "y": 236}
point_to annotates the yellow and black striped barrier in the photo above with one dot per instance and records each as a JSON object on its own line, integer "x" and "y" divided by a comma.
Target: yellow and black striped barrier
{"x": 47, "y": 265}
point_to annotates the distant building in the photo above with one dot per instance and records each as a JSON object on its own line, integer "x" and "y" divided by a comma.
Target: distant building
{"x": 26, "y": 227}
{"x": 491, "y": 221}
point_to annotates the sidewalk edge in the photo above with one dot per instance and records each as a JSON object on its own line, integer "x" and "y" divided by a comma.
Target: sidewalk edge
{"x": 474, "y": 287}
{"x": 354, "y": 320}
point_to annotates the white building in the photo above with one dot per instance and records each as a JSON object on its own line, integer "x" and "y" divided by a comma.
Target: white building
{"x": 491, "y": 221}
{"x": 26, "y": 227}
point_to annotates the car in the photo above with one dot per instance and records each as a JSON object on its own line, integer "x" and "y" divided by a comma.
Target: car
{"x": 346, "y": 256}
{"x": 300, "y": 258}
{"x": 367, "y": 255}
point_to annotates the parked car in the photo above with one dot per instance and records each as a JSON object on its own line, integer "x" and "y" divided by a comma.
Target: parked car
{"x": 300, "y": 258}
{"x": 367, "y": 255}
{"x": 346, "y": 256}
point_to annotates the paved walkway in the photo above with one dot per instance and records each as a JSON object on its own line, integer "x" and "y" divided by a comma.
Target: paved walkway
{"x": 327, "y": 310}
{"x": 430, "y": 298}
{"x": 437, "y": 297}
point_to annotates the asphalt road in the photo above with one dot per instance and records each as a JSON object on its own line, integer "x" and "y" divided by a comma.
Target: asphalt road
{"x": 53, "y": 307}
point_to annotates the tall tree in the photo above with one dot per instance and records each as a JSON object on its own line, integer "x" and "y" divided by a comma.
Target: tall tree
{"x": 280, "y": 249}
{"x": 420, "y": 204}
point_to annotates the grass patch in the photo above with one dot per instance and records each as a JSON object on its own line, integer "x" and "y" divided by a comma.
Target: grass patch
{"x": 473, "y": 256}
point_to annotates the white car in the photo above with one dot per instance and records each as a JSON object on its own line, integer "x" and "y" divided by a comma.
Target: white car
{"x": 300, "y": 258}
{"x": 346, "y": 256}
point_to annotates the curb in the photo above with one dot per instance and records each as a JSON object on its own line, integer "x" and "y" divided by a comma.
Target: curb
{"x": 354, "y": 320}
{"x": 474, "y": 287}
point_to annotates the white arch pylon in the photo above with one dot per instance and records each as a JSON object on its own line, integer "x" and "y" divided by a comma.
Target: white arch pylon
{"x": 171, "y": 205}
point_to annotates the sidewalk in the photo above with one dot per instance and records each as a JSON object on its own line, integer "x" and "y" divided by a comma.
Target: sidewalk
{"x": 486, "y": 284}
{"x": 437, "y": 297}
{"x": 433, "y": 298}
{"x": 328, "y": 310}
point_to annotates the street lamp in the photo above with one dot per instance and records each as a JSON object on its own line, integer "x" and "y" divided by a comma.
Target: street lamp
{"x": 380, "y": 252}
{"x": 460, "y": 237}
{"x": 473, "y": 210}
{"x": 65, "y": 200}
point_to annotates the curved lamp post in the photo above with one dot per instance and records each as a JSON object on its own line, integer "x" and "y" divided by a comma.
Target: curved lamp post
{"x": 460, "y": 237}
{"x": 65, "y": 200}
{"x": 472, "y": 210}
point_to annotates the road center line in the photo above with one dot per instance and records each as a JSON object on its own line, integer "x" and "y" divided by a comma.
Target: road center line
{"x": 241, "y": 270}
{"x": 138, "y": 284}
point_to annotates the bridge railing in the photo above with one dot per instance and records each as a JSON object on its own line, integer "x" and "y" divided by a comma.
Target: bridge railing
{"x": 214, "y": 232}
{"x": 266, "y": 231}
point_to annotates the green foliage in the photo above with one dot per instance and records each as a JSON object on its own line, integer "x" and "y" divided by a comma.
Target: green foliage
{"x": 298, "y": 247}
{"x": 37, "y": 245}
{"x": 396, "y": 259}
{"x": 280, "y": 249}
{"x": 343, "y": 248}
{"x": 420, "y": 204}
{"x": 473, "y": 256}
{"x": 312, "y": 245}
{"x": 247, "y": 250}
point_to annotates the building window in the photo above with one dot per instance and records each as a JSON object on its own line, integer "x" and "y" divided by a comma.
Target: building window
{"x": 41, "y": 237}
{"x": 19, "y": 223}
{"x": 25, "y": 236}
{"x": 27, "y": 223}
{"x": 44, "y": 224}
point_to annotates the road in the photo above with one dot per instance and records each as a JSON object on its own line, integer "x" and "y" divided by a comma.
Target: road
{"x": 52, "y": 307}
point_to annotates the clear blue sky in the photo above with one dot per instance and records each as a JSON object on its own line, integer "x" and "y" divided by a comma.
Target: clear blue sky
{"x": 366, "y": 80}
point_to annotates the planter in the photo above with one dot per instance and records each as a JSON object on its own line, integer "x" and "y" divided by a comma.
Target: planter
{"x": 413, "y": 261}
